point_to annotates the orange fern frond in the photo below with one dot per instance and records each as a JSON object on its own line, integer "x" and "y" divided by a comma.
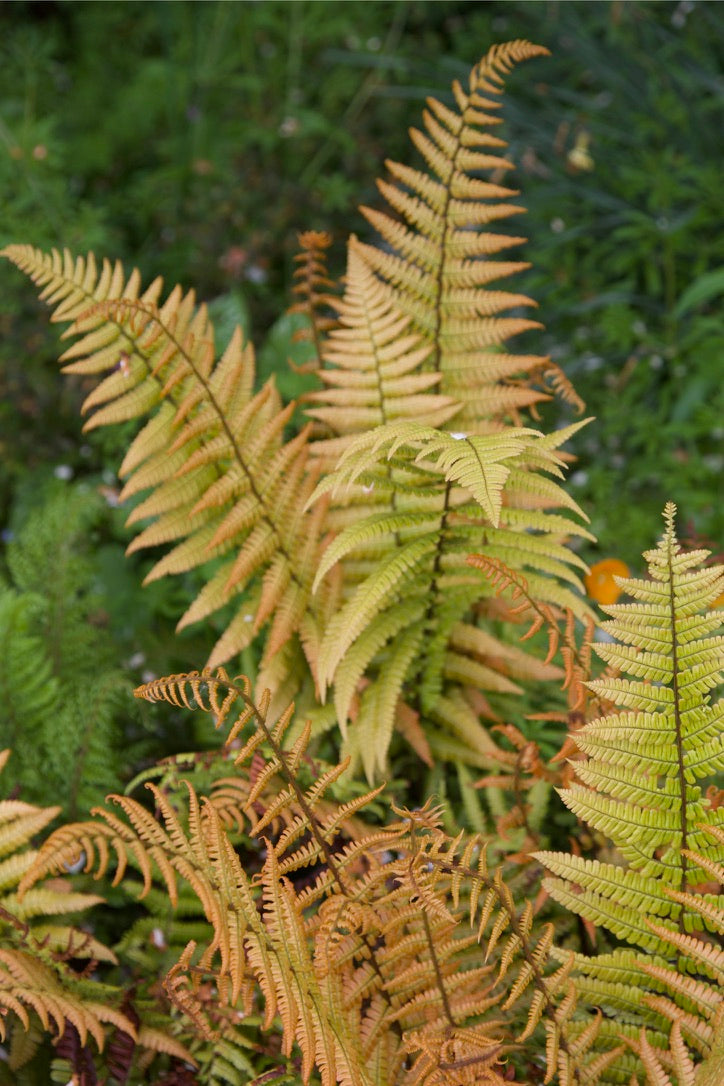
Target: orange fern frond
{"x": 315, "y": 294}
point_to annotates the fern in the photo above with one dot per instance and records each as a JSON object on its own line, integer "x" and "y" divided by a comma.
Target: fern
{"x": 639, "y": 786}
{"x": 367, "y": 950}
{"x": 309, "y": 929}
{"x": 447, "y": 494}
{"x": 374, "y": 369}
{"x": 440, "y": 258}
{"x": 68, "y": 737}
{"x": 231, "y": 495}
{"x": 212, "y": 454}
{"x": 48, "y": 982}
{"x": 37, "y": 985}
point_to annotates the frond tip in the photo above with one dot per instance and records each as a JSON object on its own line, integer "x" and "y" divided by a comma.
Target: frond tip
{"x": 439, "y": 251}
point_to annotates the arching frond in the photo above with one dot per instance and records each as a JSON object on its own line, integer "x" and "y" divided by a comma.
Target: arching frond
{"x": 445, "y": 495}
{"x": 223, "y": 485}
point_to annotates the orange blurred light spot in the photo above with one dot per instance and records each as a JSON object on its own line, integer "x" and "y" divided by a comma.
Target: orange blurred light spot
{"x": 600, "y": 584}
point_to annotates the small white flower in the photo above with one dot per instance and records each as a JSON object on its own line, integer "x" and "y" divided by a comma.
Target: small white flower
{"x": 289, "y": 126}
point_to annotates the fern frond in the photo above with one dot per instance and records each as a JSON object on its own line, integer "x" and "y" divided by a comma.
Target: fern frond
{"x": 28, "y": 984}
{"x": 439, "y": 261}
{"x": 445, "y": 494}
{"x": 222, "y": 480}
{"x": 313, "y": 291}
{"x": 373, "y": 366}
{"x": 640, "y": 788}
{"x": 39, "y": 986}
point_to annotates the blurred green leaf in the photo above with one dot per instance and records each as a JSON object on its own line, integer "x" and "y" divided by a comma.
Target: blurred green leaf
{"x": 702, "y": 290}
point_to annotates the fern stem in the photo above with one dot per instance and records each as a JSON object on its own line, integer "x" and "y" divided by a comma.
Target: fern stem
{"x": 433, "y": 593}
{"x": 431, "y": 942}
{"x": 678, "y": 733}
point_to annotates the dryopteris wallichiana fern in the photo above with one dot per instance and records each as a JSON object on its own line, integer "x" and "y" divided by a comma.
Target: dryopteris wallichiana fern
{"x": 391, "y": 954}
{"x": 400, "y": 626}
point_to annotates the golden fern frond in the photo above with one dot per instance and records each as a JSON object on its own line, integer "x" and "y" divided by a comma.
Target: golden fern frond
{"x": 293, "y": 811}
{"x": 374, "y": 366}
{"x": 201, "y": 855}
{"x": 407, "y": 618}
{"x": 223, "y": 485}
{"x": 27, "y": 983}
{"x": 555, "y": 378}
{"x": 19, "y": 823}
{"x": 38, "y": 985}
{"x": 439, "y": 257}
{"x": 444, "y": 873}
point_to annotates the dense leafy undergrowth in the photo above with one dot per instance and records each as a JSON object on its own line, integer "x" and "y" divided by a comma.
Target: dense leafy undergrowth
{"x": 434, "y": 841}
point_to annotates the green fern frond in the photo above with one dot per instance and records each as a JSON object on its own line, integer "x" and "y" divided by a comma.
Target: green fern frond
{"x": 640, "y": 788}
{"x": 28, "y": 687}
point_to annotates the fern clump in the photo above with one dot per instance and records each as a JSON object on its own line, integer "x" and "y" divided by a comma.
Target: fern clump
{"x": 415, "y": 336}
{"x": 308, "y": 927}
{"x": 363, "y": 941}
